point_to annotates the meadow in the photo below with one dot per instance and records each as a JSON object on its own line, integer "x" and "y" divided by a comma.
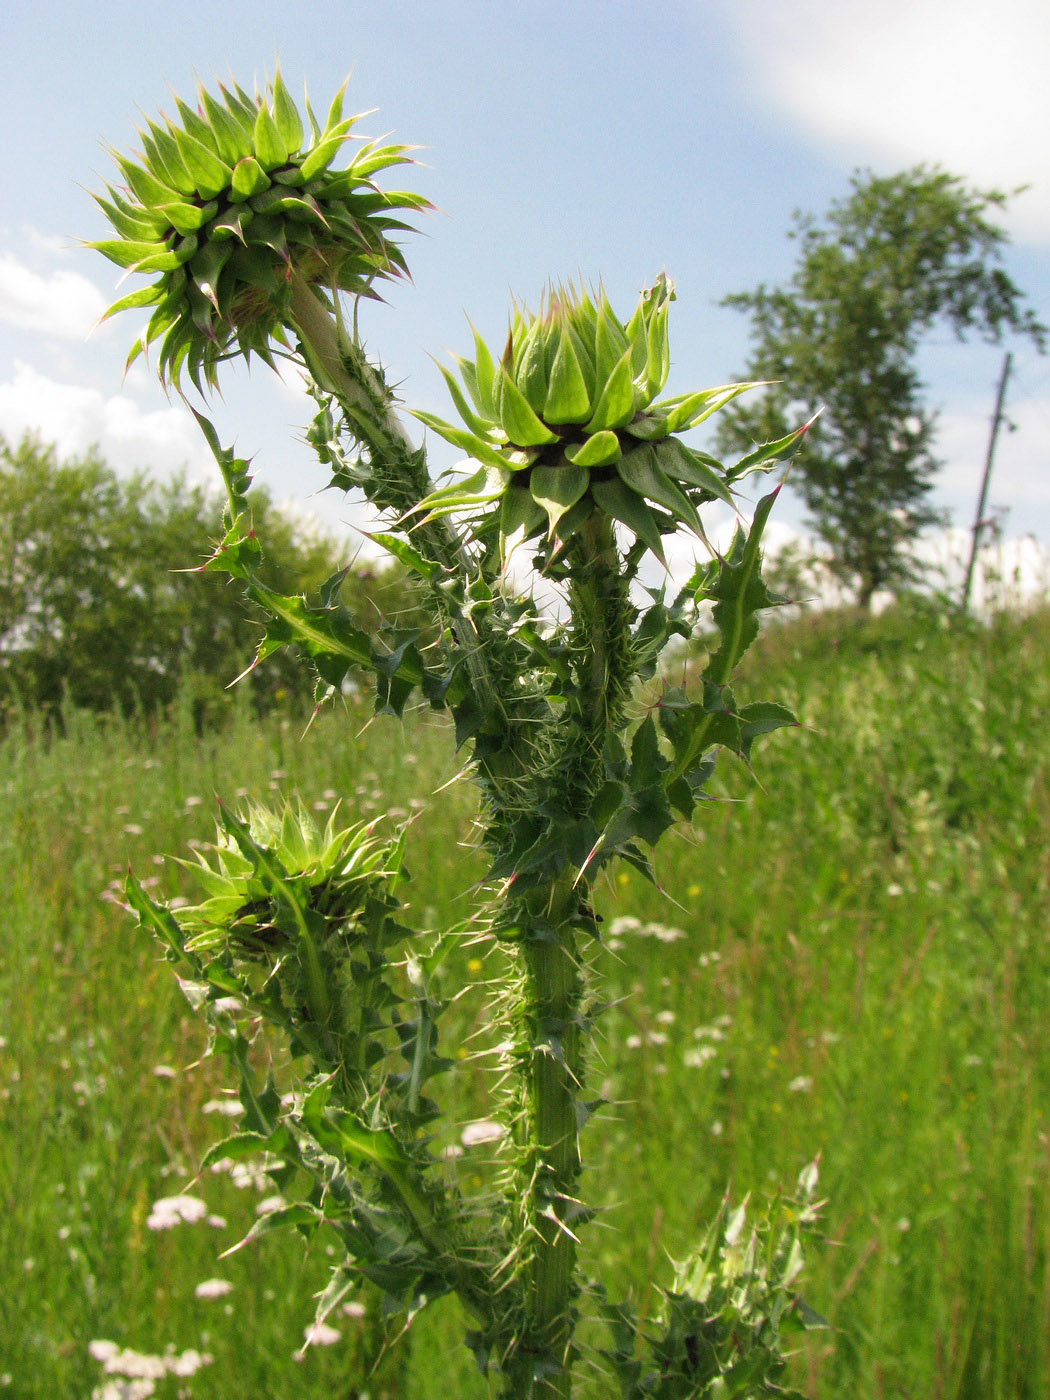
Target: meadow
{"x": 851, "y": 961}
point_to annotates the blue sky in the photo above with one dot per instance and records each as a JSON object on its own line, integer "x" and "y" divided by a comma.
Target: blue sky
{"x": 583, "y": 138}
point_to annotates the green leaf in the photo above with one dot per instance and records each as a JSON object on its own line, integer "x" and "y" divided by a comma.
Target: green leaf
{"x": 162, "y": 152}
{"x": 234, "y": 470}
{"x": 206, "y": 268}
{"x": 520, "y": 424}
{"x": 641, "y": 471}
{"x": 762, "y": 717}
{"x": 771, "y": 452}
{"x": 738, "y": 592}
{"x": 623, "y": 504}
{"x": 556, "y": 489}
{"x": 687, "y": 411}
{"x": 248, "y": 178}
{"x": 146, "y": 187}
{"x": 125, "y": 253}
{"x": 154, "y": 916}
{"x": 270, "y": 147}
{"x": 335, "y": 110}
{"x": 468, "y": 442}
{"x": 647, "y": 762}
{"x": 298, "y": 1214}
{"x": 485, "y": 377}
{"x": 684, "y": 464}
{"x": 405, "y": 554}
{"x": 480, "y": 427}
{"x": 615, "y": 407}
{"x": 599, "y": 450}
{"x": 145, "y": 296}
{"x": 131, "y": 220}
{"x": 486, "y": 485}
{"x": 193, "y": 124}
{"x": 286, "y": 116}
{"x": 232, "y": 223}
{"x": 518, "y": 511}
{"x": 326, "y": 150}
{"x": 811, "y": 1320}
{"x": 188, "y": 218}
{"x": 210, "y": 174}
{"x": 568, "y": 399}
{"x": 648, "y": 426}
{"x": 530, "y": 360}
{"x": 231, "y": 135}
{"x": 610, "y": 343}
{"x": 240, "y": 1147}
{"x": 183, "y": 250}
{"x": 658, "y": 358}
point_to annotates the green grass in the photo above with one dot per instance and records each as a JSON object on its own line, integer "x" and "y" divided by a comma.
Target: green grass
{"x": 864, "y": 975}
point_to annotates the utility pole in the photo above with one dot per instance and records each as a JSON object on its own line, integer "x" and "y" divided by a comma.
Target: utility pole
{"x": 982, "y": 501}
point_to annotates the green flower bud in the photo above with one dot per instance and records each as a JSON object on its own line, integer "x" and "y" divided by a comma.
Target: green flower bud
{"x": 226, "y": 204}
{"x": 566, "y": 422}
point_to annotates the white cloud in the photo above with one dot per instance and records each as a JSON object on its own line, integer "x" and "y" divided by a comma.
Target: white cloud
{"x": 1020, "y": 481}
{"x": 75, "y": 418}
{"x": 957, "y": 82}
{"x": 1009, "y": 571}
{"x": 61, "y": 303}
{"x": 292, "y": 381}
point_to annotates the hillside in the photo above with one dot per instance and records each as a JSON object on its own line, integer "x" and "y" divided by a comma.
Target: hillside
{"x": 850, "y": 961}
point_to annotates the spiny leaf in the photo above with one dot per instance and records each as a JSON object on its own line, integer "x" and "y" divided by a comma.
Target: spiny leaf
{"x": 568, "y": 399}
{"x": 558, "y": 488}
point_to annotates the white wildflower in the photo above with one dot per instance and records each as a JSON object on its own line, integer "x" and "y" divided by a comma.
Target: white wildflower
{"x": 250, "y": 1173}
{"x": 229, "y": 1108}
{"x": 175, "y": 1210}
{"x": 319, "y": 1334}
{"x": 124, "y": 1390}
{"x": 481, "y": 1130}
{"x": 626, "y": 924}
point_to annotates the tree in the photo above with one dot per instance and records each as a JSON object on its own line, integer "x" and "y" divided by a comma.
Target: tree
{"x": 96, "y": 603}
{"x": 902, "y": 254}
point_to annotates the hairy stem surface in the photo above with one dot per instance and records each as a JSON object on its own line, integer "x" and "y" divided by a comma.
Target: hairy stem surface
{"x": 557, "y": 913}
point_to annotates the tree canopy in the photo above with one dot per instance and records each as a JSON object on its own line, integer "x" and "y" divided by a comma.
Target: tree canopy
{"x": 99, "y": 601}
{"x": 900, "y": 255}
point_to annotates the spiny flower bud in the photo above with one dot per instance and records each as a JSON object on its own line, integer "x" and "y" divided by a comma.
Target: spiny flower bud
{"x": 227, "y": 204}
{"x": 566, "y": 422}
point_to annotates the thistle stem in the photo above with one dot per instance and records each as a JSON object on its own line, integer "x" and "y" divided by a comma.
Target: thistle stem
{"x": 340, "y": 367}
{"x": 360, "y": 394}
{"x": 554, "y": 988}
{"x": 554, "y": 1023}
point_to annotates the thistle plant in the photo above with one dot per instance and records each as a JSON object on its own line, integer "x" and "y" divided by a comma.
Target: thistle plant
{"x": 257, "y": 241}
